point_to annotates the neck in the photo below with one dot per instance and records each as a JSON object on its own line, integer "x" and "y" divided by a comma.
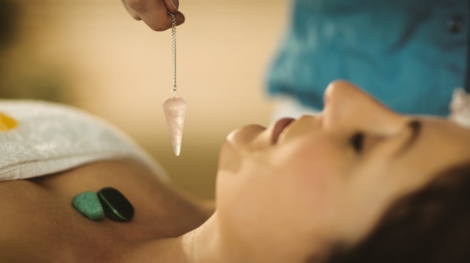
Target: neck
{"x": 197, "y": 246}
{"x": 204, "y": 245}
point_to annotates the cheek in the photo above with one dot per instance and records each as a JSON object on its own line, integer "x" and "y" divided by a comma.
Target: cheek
{"x": 314, "y": 175}
{"x": 313, "y": 162}
{"x": 296, "y": 190}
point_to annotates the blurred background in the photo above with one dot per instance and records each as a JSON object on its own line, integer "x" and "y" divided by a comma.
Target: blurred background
{"x": 94, "y": 56}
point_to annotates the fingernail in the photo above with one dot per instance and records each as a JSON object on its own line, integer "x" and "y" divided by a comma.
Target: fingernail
{"x": 175, "y": 3}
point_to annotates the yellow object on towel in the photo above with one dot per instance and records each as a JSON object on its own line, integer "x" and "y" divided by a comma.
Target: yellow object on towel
{"x": 7, "y": 123}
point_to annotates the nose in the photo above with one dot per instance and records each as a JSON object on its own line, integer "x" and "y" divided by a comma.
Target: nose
{"x": 349, "y": 108}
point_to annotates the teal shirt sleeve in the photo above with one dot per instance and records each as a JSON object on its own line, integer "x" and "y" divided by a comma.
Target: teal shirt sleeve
{"x": 410, "y": 54}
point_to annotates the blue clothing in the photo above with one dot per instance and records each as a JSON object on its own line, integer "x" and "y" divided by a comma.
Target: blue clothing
{"x": 410, "y": 54}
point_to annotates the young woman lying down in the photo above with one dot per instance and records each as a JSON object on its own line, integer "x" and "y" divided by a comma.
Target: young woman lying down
{"x": 355, "y": 183}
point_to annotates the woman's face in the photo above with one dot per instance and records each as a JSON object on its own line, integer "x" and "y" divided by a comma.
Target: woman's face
{"x": 301, "y": 185}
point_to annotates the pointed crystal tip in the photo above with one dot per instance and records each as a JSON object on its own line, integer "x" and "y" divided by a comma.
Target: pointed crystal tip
{"x": 177, "y": 150}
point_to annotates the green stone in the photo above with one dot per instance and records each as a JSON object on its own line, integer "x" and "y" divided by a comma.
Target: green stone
{"x": 89, "y": 205}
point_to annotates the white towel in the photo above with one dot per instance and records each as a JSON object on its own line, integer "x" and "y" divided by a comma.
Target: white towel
{"x": 51, "y": 138}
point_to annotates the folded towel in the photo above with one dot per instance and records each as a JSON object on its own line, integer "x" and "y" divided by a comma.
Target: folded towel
{"x": 50, "y": 138}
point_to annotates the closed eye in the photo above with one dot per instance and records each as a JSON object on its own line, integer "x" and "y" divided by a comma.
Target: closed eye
{"x": 357, "y": 141}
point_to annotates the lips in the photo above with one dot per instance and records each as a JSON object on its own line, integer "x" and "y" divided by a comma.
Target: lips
{"x": 279, "y": 126}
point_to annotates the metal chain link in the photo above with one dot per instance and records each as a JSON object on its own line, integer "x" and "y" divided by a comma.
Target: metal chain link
{"x": 174, "y": 91}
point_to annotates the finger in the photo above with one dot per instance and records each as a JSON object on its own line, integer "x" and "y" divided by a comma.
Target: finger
{"x": 165, "y": 23}
{"x": 134, "y": 14}
{"x": 161, "y": 21}
{"x": 172, "y": 5}
{"x": 130, "y": 11}
{"x": 179, "y": 18}
{"x": 153, "y": 12}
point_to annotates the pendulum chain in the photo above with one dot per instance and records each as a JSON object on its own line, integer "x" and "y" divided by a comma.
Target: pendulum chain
{"x": 174, "y": 91}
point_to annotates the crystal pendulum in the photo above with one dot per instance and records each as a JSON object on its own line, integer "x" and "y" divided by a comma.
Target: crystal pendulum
{"x": 173, "y": 107}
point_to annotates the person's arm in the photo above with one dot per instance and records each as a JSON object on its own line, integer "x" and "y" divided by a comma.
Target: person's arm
{"x": 155, "y": 12}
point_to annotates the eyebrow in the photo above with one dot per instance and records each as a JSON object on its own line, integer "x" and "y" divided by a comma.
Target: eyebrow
{"x": 415, "y": 127}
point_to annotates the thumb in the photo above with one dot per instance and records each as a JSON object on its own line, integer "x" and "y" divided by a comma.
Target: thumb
{"x": 172, "y": 5}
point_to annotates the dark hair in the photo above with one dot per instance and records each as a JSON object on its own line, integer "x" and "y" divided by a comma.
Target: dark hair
{"x": 430, "y": 225}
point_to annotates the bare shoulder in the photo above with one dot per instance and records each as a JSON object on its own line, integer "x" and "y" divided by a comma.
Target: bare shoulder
{"x": 38, "y": 223}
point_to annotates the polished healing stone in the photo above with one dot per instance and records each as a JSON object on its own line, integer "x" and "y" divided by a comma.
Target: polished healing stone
{"x": 89, "y": 205}
{"x": 115, "y": 204}
{"x": 175, "y": 109}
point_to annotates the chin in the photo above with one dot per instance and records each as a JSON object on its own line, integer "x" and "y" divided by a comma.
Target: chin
{"x": 229, "y": 158}
{"x": 237, "y": 145}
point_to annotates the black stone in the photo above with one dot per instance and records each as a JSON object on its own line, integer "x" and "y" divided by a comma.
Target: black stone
{"x": 115, "y": 204}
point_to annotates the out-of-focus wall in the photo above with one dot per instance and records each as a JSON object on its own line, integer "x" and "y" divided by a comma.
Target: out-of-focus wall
{"x": 93, "y": 55}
